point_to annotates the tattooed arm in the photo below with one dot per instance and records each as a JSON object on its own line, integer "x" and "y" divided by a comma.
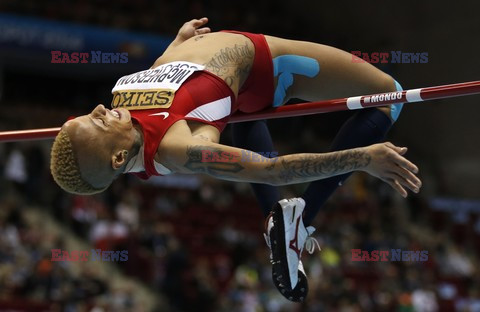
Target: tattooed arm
{"x": 384, "y": 161}
{"x": 234, "y": 164}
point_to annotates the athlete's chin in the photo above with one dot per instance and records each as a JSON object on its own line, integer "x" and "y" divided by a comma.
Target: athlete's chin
{"x": 124, "y": 115}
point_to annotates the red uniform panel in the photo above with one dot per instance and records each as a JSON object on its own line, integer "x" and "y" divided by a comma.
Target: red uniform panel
{"x": 202, "y": 88}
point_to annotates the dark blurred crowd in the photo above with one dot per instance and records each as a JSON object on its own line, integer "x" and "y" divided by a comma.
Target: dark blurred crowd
{"x": 203, "y": 249}
{"x": 29, "y": 279}
{"x": 158, "y": 17}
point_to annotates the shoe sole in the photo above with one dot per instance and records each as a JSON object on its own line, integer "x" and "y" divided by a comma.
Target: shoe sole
{"x": 280, "y": 274}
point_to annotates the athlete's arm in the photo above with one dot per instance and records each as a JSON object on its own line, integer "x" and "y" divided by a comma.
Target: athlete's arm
{"x": 384, "y": 161}
{"x": 188, "y": 30}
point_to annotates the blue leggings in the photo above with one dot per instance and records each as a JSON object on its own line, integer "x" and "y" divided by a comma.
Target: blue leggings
{"x": 255, "y": 136}
{"x": 364, "y": 128}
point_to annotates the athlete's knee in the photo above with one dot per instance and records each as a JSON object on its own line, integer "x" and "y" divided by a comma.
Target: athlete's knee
{"x": 392, "y": 111}
{"x": 396, "y": 109}
{"x": 387, "y": 83}
{"x": 284, "y": 68}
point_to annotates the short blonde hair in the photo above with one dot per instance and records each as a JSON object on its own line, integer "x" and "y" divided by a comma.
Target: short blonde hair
{"x": 65, "y": 169}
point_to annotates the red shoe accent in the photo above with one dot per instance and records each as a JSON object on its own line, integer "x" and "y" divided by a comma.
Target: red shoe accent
{"x": 294, "y": 242}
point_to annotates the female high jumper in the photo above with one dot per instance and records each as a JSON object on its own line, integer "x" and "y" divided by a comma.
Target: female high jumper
{"x": 167, "y": 118}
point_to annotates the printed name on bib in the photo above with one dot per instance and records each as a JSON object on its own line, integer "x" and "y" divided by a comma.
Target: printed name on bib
{"x": 152, "y": 88}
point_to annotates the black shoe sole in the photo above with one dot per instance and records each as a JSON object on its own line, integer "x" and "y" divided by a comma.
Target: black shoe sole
{"x": 280, "y": 274}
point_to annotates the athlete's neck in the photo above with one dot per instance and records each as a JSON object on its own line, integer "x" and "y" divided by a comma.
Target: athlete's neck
{"x": 132, "y": 158}
{"x": 137, "y": 143}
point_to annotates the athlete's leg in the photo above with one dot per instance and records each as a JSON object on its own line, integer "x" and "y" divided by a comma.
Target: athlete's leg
{"x": 364, "y": 128}
{"x": 314, "y": 72}
{"x": 255, "y": 136}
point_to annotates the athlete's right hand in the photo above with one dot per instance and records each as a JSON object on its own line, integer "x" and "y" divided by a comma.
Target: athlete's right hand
{"x": 192, "y": 28}
{"x": 388, "y": 164}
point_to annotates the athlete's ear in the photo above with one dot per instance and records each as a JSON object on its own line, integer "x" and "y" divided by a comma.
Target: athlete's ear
{"x": 119, "y": 159}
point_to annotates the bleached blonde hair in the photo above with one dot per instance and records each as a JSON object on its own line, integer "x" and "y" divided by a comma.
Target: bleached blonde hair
{"x": 65, "y": 169}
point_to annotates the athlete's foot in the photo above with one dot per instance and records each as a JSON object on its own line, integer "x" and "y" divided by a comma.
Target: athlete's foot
{"x": 287, "y": 236}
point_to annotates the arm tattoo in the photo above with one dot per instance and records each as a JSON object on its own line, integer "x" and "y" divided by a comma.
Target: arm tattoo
{"x": 321, "y": 166}
{"x": 272, "y": 164}
{"x": 212, "y": 161}
{"x": 232, "y": 64}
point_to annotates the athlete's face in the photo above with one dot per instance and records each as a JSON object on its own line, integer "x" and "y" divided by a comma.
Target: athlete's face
{"x": 100, "y": 140}
{"x": 103, "y": 121}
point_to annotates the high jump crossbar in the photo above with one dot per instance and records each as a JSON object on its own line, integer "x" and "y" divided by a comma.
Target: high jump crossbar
{"x": 302, "y": 109}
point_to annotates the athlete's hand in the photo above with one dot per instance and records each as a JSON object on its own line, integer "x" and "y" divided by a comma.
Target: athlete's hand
{"x": 388, "y": 164}
{"x": 193, "y": 28}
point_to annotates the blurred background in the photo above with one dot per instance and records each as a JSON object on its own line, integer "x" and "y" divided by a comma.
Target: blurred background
{"x": 195, "y": 244}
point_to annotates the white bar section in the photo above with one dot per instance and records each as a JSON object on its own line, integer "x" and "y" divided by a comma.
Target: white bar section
{"x": 414, "y": 95}
{"x": 354, "y": 102}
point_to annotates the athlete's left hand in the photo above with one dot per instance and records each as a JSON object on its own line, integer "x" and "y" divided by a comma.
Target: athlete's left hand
{"x": 387, "y": 162}
{"x": 193, "y": 28}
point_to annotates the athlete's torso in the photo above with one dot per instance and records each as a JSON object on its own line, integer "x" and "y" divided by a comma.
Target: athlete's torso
{"x": 226, "y": 57}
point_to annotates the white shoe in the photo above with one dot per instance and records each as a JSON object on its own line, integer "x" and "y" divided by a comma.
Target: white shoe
{"x": 287, "y": 236}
